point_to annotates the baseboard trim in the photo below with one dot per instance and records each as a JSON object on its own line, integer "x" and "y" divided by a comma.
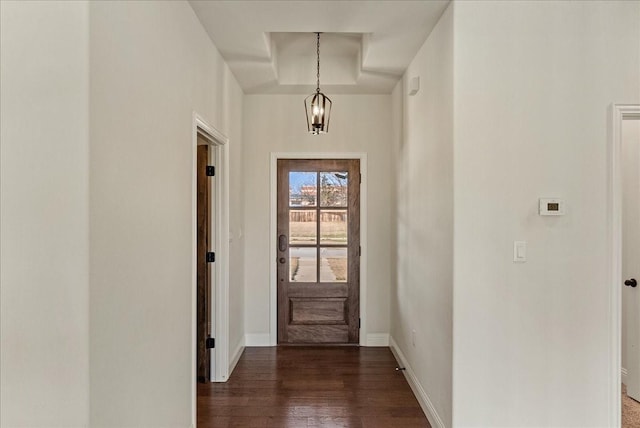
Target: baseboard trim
{"x": 377, "y": 339}
{"x": 624, "y": 374}
{"x": 426, "y": 404}
{"x": 263, "y": 339}
{"x": 235, "y": 356}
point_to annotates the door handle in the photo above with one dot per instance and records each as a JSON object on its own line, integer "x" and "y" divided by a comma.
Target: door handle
{"x": 282, "y": 242}
{"x": 282, "y": 260}
{"x": 631, "y": 283}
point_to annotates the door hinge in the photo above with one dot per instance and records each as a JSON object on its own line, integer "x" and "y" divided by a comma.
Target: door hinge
{"x": 359, "y": 323}
{"x": 211, "y": 343}
{"x": 211, "y": 257}
{"x": 211, "y": 171}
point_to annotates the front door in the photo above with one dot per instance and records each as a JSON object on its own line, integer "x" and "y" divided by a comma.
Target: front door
{"x": 318, "y": 251}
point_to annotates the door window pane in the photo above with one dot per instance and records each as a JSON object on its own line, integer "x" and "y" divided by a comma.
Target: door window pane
{"x": 333, "y": 189}
{"x": 333, "y": 265}
{"x": 303, "y": 264}
{"x": 333, "y": 227}
{"x": 303, "y": 189}
{"x": 303, "y": 227}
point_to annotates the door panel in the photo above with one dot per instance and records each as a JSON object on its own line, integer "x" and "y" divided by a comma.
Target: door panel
{"x": 318, "y": 311}
{"x": 317, "y": 334}
{"x": 318, "y": 251}
{"x": 203, "y": 272}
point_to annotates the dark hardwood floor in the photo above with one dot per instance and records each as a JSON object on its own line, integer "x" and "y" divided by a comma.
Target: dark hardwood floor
{"x": 311, "y": 387}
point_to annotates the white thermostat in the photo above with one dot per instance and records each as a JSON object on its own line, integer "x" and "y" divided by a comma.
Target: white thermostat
{"x": 551, "y": 206}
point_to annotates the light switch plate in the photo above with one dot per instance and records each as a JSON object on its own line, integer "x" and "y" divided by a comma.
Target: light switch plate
{"x": 519, "y": 251}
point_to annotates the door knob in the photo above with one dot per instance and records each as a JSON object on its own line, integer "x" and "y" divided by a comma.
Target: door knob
{"x": 631, "y": 282}
{"x": 283, "y": 260}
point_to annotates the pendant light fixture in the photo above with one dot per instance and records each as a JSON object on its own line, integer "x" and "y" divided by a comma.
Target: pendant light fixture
{"x": 317, "y": 106}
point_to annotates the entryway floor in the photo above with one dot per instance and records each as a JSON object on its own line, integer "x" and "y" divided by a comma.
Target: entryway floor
{"x": 311, "y": 387}
{"x": 630, "y": 410}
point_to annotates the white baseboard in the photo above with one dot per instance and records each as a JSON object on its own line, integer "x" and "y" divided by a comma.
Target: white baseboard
{"x": 377, "y": 339}
{"x": 426, "y": 404}
{"x": 235, "y": 356}
{"x": 624, "y": 375}
{"x": 262, "y": 339}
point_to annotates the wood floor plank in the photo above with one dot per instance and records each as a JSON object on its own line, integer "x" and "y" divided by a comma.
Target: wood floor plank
{"x": 311, "y": 387}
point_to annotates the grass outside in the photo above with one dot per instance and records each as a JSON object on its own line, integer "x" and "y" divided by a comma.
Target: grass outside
{"x": 304, "y": 232}
{"x": 338, "y": 267}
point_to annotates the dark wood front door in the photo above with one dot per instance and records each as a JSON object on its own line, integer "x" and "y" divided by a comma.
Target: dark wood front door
{"x": 318, "y": 251}
{"x": 204, "y": 282}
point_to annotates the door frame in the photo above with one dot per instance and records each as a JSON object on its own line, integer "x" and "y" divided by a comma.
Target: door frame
{"x": 272, "y": 339}
{"x": 617, "y": 113}
{"x": 220, "y": 276}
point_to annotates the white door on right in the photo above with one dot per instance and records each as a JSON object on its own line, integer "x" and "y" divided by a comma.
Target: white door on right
{"x": 631, "y": 255}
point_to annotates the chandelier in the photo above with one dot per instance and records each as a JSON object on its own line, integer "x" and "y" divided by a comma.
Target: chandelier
{"x": 317, "y": 106}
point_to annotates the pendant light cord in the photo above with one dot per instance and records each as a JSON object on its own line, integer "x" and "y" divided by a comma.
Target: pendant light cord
{"x": 318, "y": 54}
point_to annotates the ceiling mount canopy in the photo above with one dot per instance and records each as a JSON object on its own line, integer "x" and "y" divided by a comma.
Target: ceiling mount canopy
{"x": 317, "y": 105}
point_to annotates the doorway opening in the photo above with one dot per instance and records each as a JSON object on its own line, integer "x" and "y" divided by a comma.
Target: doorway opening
{"x": 205, "y": 262}
{"x": 626, "y": 265}
{"x": 210, "y": 260}
{"x": 620, "y": 221}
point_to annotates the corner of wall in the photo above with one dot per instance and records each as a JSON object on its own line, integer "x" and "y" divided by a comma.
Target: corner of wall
{"x": 234, "y": 356}
{"x": 422, "y": 293}
{"x": 423, "y": 398}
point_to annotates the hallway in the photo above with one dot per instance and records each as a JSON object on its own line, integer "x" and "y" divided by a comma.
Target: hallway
{"x": 469, "y": 119}
{"x": 311, "y": 387}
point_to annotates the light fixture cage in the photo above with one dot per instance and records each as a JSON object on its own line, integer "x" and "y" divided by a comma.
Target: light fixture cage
{"x": 318, "y": 109}
{"x": 317, "y": 106}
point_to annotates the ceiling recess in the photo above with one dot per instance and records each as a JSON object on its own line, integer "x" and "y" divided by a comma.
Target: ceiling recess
{"x": 367, "y": 45}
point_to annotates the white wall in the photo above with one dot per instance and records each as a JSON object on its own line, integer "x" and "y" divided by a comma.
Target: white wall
{"x": 533, "y": 82}
{"x": 152, "y": 66}
{"x": 44, "y": 371}
{"x": 630, "y": 234}
{"x": 276, "y": 123}
{"x": 233, "y": 119}
{"x": 422, "y": 294}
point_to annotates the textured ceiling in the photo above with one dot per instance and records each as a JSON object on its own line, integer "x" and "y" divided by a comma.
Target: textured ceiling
{"x": 365, "y": 46}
